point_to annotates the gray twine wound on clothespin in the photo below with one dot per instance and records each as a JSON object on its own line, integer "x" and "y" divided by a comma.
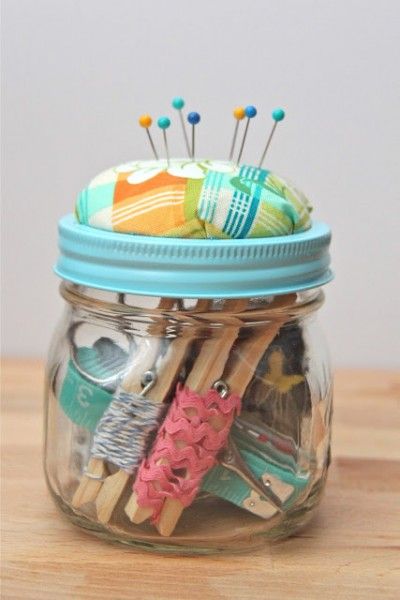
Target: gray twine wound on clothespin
{"x": 123, "y": 431}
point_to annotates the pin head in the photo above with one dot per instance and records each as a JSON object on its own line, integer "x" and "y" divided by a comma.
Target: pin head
{"x": 193, "y": 118}
{"x": 145, "y": 121}
{"x": 250, "y": 111}
{"x": 278, "y": 114}
{"x": 178, "y": 103}
{"x": 164, "y": 122}
{"x": 239, "y": 113}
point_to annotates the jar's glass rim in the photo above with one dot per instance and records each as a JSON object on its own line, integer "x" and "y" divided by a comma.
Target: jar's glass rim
{"x": 255, "y": 309}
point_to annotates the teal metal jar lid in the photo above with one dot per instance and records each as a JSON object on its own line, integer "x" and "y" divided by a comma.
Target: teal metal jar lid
{"x": 193, "y": 268}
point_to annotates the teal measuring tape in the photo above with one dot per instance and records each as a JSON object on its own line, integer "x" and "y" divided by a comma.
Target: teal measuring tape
{"x": 226, "y": 484}
{"x": 83, "y": 401}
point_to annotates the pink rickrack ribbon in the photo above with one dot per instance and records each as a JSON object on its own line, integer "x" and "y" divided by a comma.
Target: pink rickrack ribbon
{"x": 195, "y": 429}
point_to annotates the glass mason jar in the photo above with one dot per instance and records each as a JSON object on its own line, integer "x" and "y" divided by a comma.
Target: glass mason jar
{"x": 182, "y": 422}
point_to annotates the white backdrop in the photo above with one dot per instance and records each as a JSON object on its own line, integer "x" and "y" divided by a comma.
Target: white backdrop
{"x": 77, "y": 73}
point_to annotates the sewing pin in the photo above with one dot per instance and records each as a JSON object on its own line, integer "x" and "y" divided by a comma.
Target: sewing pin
{"x": 164, "y": 123}
{"x": 193, "y": 118}
{"x": 250, "y": 112}
{"x": 178, "y": 103}
{"x": 278, "y": 115}
{"x": 239, "y": 114}
{"x": 145, "y": 121}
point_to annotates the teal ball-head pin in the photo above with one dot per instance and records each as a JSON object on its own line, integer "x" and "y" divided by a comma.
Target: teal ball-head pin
{"x": 193, "y": 118}
{"x": 164, "y": 123}
{"x": 278, "y": 114}
{"x": 178, "y": 103}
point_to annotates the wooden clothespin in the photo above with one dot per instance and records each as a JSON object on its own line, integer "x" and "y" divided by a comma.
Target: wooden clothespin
{"x": 207, "y": 369}
{"x": 168, "y": 369}
{"x": 235, "y": 377}
{"x": 143, "y": 360}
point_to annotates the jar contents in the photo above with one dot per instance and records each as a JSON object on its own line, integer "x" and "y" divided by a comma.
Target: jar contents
{"x": 189, "y": 429}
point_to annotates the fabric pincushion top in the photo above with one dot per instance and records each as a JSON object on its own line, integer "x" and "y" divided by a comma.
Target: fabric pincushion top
{"x": 193, "y": 199}
{"x": 194, "y": 228}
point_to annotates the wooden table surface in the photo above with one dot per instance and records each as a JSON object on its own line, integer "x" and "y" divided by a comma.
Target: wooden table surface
{"x": 350, "y": 549}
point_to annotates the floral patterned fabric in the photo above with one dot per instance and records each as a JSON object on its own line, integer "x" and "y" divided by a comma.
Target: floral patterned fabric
{"x": 203, "y": 199}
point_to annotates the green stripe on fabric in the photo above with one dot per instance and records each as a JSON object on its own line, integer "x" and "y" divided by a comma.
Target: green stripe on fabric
{"x": 214, "y": 233}
{"x": 191, "y": 229}
{"x": 296, "y": 198}
{"x": 192, "y": 196}
{"x": 270, "y": 221}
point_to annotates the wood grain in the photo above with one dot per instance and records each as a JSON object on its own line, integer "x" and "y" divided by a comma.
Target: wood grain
{"x": 349, "y": 551}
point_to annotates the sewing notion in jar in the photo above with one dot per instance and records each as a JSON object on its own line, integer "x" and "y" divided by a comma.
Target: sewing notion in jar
{"x": 188, "y": 402}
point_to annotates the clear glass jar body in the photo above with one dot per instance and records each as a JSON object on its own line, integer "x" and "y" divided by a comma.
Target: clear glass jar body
{"x": 232, "y": 478}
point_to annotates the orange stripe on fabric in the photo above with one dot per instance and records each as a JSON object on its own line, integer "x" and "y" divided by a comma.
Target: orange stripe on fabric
{"x": 141, "y": 199}
{"x": 156, "y": 221}
{"x": 134, "y": 213}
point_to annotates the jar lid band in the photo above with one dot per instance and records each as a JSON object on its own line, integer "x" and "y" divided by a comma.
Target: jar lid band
{"x": 193, "y": 268}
